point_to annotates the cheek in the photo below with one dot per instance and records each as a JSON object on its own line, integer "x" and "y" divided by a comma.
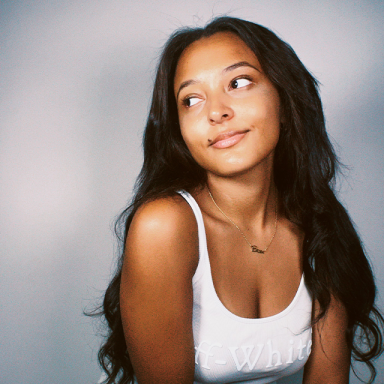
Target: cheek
{"x": 267, "y": 116}
{"x": 197, "y": 142}
{"x": 274, "y": 111}
{"x": 185, "y": 131}
{"x": 273, "y": 105}
{"x": 191, "y": 138}
{"x": 192, "y": 131}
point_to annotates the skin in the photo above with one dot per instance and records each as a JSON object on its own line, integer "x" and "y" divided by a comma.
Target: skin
{"x": 229, "y": 114}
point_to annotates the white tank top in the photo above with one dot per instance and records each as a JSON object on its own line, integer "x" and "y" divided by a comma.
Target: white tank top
{"x": 229, "y": 348}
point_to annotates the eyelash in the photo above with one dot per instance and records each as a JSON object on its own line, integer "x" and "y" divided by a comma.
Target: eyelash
{"x": 186, "y": 99}
{"x": 240, "y": 78}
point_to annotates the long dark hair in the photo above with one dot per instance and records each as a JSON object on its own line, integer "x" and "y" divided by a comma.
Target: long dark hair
{"x": 304, "y": 173}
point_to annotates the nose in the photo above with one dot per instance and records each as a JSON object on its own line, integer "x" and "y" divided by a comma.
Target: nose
{"x": 219, "y": 111}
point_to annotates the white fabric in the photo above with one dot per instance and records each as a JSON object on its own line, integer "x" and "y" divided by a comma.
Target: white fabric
{"x": 231, "y": 349}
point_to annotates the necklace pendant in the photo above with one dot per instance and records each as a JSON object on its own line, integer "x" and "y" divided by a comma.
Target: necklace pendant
{"x": 255, "y": 249}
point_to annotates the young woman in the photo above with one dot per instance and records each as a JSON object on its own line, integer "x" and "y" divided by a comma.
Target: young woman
{"x": 239, "y": 263}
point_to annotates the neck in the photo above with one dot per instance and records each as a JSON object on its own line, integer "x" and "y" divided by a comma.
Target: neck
{"x": 249, "y": 200}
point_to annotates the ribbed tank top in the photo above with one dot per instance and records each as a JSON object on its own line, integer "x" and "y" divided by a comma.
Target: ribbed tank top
{"x": 232, "y": 349}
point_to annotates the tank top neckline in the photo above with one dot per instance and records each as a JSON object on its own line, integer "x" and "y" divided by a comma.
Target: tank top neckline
{"x": 204, "y": 258}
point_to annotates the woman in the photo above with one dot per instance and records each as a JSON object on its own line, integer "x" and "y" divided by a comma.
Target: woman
{"x": 237, "y": 166}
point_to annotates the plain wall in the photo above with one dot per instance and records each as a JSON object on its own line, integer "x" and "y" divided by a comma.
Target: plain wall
{"x": 75, "y": 85}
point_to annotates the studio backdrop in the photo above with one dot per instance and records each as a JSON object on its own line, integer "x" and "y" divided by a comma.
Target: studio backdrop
{"x": 75, "y": 86}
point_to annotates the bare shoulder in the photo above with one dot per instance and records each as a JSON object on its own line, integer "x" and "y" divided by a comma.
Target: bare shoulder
{"x": 166, "y": 213}
{"x": 156, "y": 292}
{"x": 164, "y": 230}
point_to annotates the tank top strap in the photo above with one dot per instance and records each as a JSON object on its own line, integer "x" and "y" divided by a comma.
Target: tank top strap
{"x": 203, "y": 250}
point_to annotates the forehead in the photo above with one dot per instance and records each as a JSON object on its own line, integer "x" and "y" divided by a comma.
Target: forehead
{"x": 215, "y": 52}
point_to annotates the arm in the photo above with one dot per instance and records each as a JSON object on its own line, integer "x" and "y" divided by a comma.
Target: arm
{"x": 330, "y": 358}
{"x": 156, "y": 294}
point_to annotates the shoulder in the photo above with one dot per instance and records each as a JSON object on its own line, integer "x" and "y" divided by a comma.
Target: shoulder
{"x": 156, "y": 291}
{"x": 164, "y": 231}
{"x": 164, "y": 214}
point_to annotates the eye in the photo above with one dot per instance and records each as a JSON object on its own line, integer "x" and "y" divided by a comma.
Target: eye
{"x": 190, "y": 101}
{"x": 240, "y": 82}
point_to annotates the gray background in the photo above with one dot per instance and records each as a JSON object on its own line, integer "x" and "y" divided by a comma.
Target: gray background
{"x": 75, "y": 83}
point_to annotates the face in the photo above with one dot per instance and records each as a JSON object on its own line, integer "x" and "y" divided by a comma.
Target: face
{"x": 229, "y": 112}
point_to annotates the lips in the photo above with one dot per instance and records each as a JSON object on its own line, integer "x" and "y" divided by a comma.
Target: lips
{"x": 228, "y": 139}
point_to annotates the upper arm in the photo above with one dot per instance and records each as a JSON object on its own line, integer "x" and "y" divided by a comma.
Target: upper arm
{"x": 330, "y": 357}
{"x": 156, "y": 296}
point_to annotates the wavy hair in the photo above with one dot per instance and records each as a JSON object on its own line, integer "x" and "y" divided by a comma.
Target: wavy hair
{"x": 304, "y": 173}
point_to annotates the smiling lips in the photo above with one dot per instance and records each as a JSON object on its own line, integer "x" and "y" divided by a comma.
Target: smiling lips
{"x": 228, "y": 139}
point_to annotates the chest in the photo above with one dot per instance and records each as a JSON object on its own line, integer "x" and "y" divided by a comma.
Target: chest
{"x": 229, "y": 348}
{"x": 245, "y": 344}
{"x": 250, "y": 284}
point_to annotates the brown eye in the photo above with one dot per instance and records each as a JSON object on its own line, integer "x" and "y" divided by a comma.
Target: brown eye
{"x": 190, "y": 101}
{"x": 240, "y": 83}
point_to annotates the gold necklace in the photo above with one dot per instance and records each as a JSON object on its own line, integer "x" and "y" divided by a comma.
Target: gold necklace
{"x": 254, "y": 248}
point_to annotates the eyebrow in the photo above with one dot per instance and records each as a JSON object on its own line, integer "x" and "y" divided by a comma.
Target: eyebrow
{"x": 240, "y": 64}
{"x": 232, "y": 67}
{"x": 186, "y": 84}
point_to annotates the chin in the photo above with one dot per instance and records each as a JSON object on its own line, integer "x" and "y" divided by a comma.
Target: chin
{"x": 240, "y": 167}
{"x": 231, "y": 170}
